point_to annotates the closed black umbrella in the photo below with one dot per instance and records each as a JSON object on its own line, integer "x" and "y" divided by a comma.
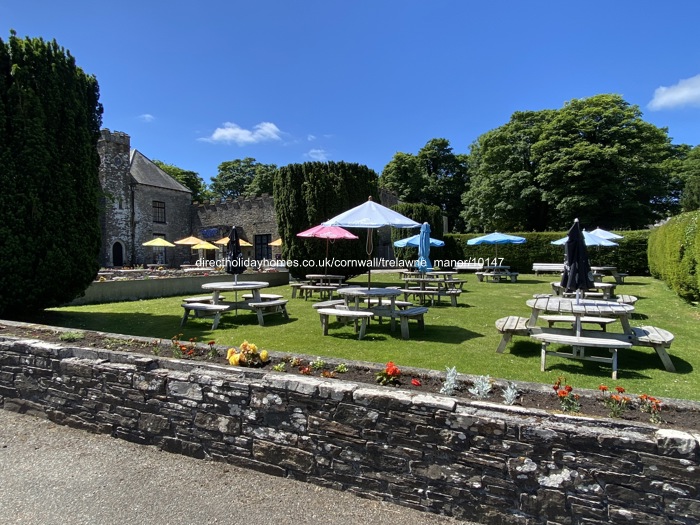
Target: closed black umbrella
{"x": 577, "y": 270}
{"x": 234, "y": 256}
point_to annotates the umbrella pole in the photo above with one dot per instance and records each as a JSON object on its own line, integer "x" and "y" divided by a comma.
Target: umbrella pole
{"x": 369, "y": 247}
{"x": 325, "y": 263}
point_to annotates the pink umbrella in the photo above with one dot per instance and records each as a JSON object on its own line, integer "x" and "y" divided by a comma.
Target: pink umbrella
{"x": 329, "y": 233}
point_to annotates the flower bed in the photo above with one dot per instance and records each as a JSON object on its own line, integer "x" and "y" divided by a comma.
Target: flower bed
{"x": 560, "y": 397}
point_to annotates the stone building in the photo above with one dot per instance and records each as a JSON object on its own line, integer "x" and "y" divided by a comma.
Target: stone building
{"x": 142, "y": 202}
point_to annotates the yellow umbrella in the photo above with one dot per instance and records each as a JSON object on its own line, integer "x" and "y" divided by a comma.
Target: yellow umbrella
{"x": 225, "y": 240}
{"x": 159, "y": 242}
{"x": 189, "y": 240}
{"x": 276, "y": 242}
{"x": 204, "y": 246}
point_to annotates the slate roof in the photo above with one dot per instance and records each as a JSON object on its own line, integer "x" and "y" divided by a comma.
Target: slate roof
{"x": 145, "y": 172}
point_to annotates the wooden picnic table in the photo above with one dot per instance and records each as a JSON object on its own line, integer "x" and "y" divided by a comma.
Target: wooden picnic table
{"x": 612, "y": 270}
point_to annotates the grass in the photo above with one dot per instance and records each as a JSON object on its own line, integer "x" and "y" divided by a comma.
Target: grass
{"x": 463, "y": 337}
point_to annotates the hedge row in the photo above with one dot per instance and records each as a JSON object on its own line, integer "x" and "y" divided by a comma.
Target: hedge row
{"x": 629, "y": 257}
{"x": 674, "y": 252}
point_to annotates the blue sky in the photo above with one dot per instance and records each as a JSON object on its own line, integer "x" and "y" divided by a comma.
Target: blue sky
{"x": 198, "y": 83}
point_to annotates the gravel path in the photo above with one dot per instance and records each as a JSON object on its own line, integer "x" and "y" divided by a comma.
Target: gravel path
{"x": 51, "y": 474}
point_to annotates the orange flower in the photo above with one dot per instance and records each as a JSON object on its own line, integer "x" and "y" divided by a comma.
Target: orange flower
{"x": 562, "y": 393}
{"x": 603, "y": 388}
{"x": 619, "y": 389}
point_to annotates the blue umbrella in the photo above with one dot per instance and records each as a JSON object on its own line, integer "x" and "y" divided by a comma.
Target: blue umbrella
{"x": 589, "y": 239}
{"x": 412, "y": 242}
{"x": 496, "y": 238}
{"x": 423, "y": 263}
{"x": 370, "y": 215}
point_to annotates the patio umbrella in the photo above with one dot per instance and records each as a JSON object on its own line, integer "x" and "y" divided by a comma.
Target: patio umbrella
{"x": 159, "y": 242}
{"x": 412, "y": 242}
{"x": 590, "y": 240}
{"x": 189, "y": 241}
{"x": 599, "y": 232}
{"x": 577, "y": 270}
{"x": 234, "y": 257}
{"x": 496, "y": 238}
{"x": 204, "y": 245}
{"x": 224, "y": 241}
{"x": 370, "y": 215}
{"x": 276, "y": 242}
{"x": 423, "y": 263}
{"x": 330, "y": 233}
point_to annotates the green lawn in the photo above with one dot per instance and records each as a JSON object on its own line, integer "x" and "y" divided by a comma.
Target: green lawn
{"x": 464, "y": 337}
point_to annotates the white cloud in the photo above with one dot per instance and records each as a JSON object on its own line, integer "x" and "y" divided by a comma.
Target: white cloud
{"x": 685, "y": 93}
{"x": 230, "y": 132}
{"x": 146, "y": 117}
{"x": 311, "y": 138}
{"x": 317, "y": 154}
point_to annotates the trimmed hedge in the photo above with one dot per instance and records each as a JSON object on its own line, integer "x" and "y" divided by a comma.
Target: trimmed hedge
{"x": 629, "y": 257}
{"x": 674, "y": 252}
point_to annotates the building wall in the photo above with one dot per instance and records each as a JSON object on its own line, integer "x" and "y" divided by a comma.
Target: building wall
{"x": 177, "y": 224}
{"x": 113, "y": 148}
{"x": 127, "y": 218}
{"x": 251, "y": 215}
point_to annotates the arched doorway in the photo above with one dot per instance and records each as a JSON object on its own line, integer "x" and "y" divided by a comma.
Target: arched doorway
{"x": 117, "y": 254}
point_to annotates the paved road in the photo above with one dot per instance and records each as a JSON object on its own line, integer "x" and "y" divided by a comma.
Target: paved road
{"x": 51, "y": 474}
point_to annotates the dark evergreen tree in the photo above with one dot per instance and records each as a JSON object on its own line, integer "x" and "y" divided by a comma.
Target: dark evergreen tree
{"x": 50, "y": 119}
{"x": 307, "y": 195}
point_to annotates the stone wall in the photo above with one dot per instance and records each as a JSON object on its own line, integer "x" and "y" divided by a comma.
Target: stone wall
{"x": 251, "y": 215}
{"x": 472, "y": 460}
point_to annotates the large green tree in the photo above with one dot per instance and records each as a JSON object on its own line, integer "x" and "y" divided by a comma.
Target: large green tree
{"x": 434, "y": 176}
{"x": 190, "y": 179}
{"x": 688, "y": 174}
{"x": 310, "y": 193}
{"x": 50, "y": 119}
{"x": 595, "y": 159}
{"x": 241, "y": 177}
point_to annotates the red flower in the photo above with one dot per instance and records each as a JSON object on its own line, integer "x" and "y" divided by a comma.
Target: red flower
{"x": 415, "y": 382}
{"x": 568, "y": 388}
{"x": 603, "y": 388}
{"x": 619, "y": 389}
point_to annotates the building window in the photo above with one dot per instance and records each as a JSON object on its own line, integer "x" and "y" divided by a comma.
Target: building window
{"x": 262, "y": 248}
{"x": 158, "y": 211}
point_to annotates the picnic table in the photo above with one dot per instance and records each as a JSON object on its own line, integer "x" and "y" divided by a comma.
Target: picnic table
{"x": 612, "y": 270}
{"x": 434, "y": 284}
{"x": 496, "y": 274}
{"x": 254, "y": 301}
{"x": 586, "y": 311}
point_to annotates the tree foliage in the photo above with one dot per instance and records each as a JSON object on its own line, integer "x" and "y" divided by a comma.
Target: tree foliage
{"x": 242, "y": 177}
{"x": 310, "y": 193}
{"x": 420, "y": 213}
{"x": 50, "y": 119}
{"x": 189, "y": 179}
{"x": 595, "y": 159}
{"x": 435, "y": 176}
{"x": 688, "y": 174}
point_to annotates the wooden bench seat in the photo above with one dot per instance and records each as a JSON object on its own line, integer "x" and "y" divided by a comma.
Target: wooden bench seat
{"x": 204, "y": 309}
{"x": 263, "y": 308}
{"x": 552, "y": 319}
{"x": 324, "y": 290}
{"x": 588, "y": 339}
{"x": 496, "y": 277}
{"x": 295, "y": 287}
{"x": 201, "y": 299}
{"x": 604, "y": 290}
{"x": 417, "y": 313}
{"x": 539, "y": 268}
{"x": 264, "y": 296}
{"x": 626, "y": 299}
{"x": 328, "y": 304}
{"x": 464, "y": 266}
{"x": 510, "y": 326}
{"x": 399, "y": 304}
{"x": 354, "y": 315}
{"x": 657, "y": 338}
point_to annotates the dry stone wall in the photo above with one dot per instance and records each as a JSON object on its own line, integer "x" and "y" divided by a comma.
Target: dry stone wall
{"x": 472, "y": 460}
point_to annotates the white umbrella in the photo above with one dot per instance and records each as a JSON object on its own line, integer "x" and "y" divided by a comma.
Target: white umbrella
{"x": 599, "y": 232}
{"x": 371, "y": 215}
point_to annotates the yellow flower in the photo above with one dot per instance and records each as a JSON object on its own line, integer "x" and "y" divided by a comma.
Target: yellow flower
{"x": 264, "y": 356}
{"x": 234, "y": 359}
{"x": 230, "y": 352}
